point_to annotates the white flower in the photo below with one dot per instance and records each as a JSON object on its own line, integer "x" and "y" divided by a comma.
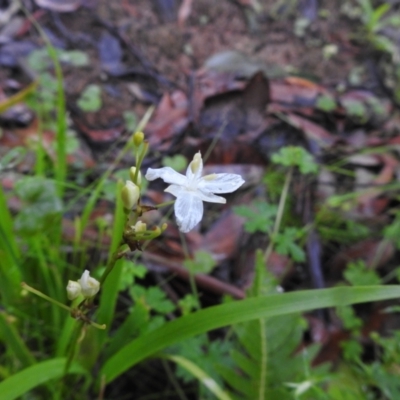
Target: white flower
{"x": 73, "y": 290}
{"x": 191, "y": 190}
{"x": 89, "y": 285}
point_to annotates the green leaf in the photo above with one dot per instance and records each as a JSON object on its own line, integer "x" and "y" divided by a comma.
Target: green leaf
{"x": 130, "y": 271}
{"x": 10, "y": 335}
{"x": 295, "y": 156}
{"x": 12, "y": 157}
{"x": 10, "y": 273}
{"x": 260, "y": 216}
{"x": 153, "y": 297}
{"x": 205, "y": 354}
{"x": 349, "y": 318}
{"x": 22, "y": 382}
{"x": 188, "y": 303}
{"x": 378, "y": 13}
{"x": 38, "y": 60}
{"x": 357, "y": 274}
{"x": 326, "y": 103}
{"x": 177, "y": 162}
{"x": 239, "y": 311}
{"x": 75, "y": 58}
{"x": 352, "y": 350}
{"x": 134, "y": 325}
{"x": 130, "y": 120}
{"x": 203, "y": 263}
{"x": 355, "y": 108}
{"x": 41, "y": 205}
{"x": 286, "y": 244}
{"x": 90, "y": 99}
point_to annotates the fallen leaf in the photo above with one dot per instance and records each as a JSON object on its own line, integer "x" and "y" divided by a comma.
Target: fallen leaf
{"x": 184, "y": 12}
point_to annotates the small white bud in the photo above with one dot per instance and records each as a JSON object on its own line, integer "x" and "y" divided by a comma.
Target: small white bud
{"x": 132, "y": 172}
{"x": 73, "y": 290}
{"x": 140, "y": 226}
{"x": 89, "y": 285}
{"x": 130, "y": 195}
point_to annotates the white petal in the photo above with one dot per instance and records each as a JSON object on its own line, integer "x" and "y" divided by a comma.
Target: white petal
{"x": 195, "y": 168}
{"x": 167, "y": 174}
{"x": 176, "y": 190}
{"x": 210, "y": 197}
{"x": 89, "y": 285}
{"x": 188, "y": 212}
{"x": 220, "y": 183}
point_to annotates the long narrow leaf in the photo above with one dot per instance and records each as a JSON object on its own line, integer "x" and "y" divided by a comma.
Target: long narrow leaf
{"x": 110, "y": 289}
{"x": 10, "y": 275}
{"x": 10, "y": 336}
{"x": 240, "y": 311}
{"x": 27, "y": 379}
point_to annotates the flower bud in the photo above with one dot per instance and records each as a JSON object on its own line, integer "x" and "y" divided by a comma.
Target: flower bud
{"x": 130, "y": 195}
{"x": 138, "y": 138}
{"x": 164, "y": 226}
{"x": 140, "y": 226}
{"x": 73, "y": 290}
{"x": 132, "y": 172}
{"x": 89, "y": 285}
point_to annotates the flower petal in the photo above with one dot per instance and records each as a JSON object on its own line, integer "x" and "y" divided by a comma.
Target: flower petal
{"x": 188, "y": 211}
{"x": 220, "y": 183}
{"x": 176, "y": 190}
{"x": 167, "y": 174}
{"x": 210, "y": 197}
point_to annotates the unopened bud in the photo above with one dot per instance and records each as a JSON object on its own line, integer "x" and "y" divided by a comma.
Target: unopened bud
{"x": 138, "y": 138}
{"x": 89, "y": 285}
{"x": 140, "y": 226}
{"x": 130, "y": 195}
{"x": 157, "y": 230}
{"x": 73, "y": 290}
{"x": 132, "y": 172}
{"x": 164, "y": 226}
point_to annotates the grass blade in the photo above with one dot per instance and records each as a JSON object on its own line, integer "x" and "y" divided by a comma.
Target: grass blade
{"x": 14, "y": 342}
{"x": 240, "y": 311}
{"x": 27, "y": 379}
{"x": 10, "y": 275}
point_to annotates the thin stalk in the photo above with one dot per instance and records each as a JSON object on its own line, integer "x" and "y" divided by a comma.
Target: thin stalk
{"x": 116, "y": 256}
{"x": 43, "y": 296}
{"x": 264, "y": 355}
{"x": 279, "y": 215}
{"x": 73, "y": 345}
{"x": 173, "y": 380}
{"x": 192, "y": 281}
{"x": 165, "y": 204}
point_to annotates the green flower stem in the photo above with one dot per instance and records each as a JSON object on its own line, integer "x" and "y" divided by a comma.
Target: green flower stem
{"x": 140, "y": 158}
{"x": 279, "y": 215}
{"x": 192, "y": 281}
{"x": 73, "y": 345}
{"x": 116, "y": 256}
{"x": 43, "y": 296}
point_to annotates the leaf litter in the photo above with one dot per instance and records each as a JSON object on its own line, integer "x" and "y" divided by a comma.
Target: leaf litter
{"x": 215, "y": 84}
